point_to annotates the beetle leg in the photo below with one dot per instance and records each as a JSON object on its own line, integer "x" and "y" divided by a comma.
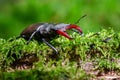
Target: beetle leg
{"x": 46, "y": 42}
{"x": 31, "y": 37}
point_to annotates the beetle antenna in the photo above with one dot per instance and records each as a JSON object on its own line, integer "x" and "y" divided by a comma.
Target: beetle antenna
{"x": 80, "y": 19}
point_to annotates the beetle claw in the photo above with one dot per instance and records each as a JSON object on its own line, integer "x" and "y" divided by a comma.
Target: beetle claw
{"x": 74, "y": 28}
{"x": 63, "y": 33}
{"x": 71, "y": 26}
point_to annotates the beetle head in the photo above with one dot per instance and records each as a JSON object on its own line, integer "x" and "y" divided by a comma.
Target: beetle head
{"x": 61, "y": 29}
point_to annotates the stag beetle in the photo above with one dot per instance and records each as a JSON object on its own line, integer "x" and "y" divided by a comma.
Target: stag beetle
{"x": 45, "y": 32}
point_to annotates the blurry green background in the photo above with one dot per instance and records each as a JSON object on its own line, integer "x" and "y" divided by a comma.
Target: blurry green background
{"x": 15, "y": 15}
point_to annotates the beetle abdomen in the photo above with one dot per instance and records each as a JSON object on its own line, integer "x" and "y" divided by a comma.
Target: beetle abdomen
{"x": 29, "y": 30}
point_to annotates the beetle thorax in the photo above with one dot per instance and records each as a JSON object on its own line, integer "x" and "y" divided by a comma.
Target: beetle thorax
{"x": 45, "y": 28}
{"x": 61, "y": 26}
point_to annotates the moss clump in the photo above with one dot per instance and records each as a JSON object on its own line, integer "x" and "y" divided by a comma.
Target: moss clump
{"x": 98, "y": 48}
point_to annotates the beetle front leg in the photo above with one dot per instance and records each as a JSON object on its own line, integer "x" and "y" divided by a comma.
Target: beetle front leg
{"x": 50, "y": 45}
{"x": 31, "y": 37}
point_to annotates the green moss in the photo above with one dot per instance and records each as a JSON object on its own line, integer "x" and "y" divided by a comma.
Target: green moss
{"x": 102, "y": 48}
